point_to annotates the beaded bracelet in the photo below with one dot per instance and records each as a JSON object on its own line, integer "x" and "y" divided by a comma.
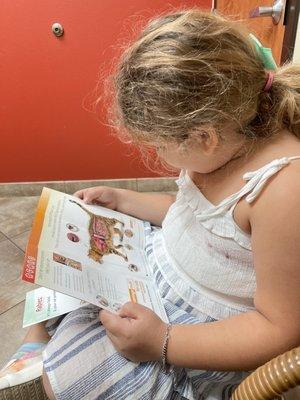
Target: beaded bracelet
{"x": 165, "y": 365}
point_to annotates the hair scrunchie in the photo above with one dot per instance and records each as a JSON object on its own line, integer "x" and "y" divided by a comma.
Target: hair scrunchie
{"x": 270, "y": 78}
{"x": 264, "y": 53}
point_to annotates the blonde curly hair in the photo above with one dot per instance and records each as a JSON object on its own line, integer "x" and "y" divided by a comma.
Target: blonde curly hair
{"x": 191, "y": 68}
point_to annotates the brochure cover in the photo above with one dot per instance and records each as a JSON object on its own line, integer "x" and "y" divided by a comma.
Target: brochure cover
{"x": 90, "y": 253}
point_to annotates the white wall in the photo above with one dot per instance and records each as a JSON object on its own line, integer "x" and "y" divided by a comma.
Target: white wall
{"x": 295, "y": 393}
{"x": 296, "y": 56}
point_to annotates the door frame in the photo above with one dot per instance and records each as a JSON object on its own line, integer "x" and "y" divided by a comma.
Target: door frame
{"x": 291, "y": 17}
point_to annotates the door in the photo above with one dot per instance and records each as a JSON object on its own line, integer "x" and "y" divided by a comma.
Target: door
{"x": 47, "y": 131}
{"x": 278, "y": 34}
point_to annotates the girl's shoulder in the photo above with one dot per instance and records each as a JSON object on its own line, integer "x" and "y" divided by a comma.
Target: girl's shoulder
{"x": 281, "y": 162}
{"x": 279, "y": 194}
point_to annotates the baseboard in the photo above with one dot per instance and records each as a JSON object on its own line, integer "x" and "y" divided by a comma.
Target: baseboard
{"x": 139, "y": 184}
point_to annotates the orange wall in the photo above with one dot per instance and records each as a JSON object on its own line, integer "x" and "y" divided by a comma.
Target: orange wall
{"x": 46, "y": 134}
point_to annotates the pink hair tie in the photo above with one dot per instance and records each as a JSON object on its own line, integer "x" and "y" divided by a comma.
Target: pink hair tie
{"x": 270, "y": 78}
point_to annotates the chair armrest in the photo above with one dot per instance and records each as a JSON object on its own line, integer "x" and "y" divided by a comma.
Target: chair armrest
{"x": 271, "y": 380}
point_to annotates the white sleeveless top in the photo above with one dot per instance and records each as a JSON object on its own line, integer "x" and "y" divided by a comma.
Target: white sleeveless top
{"x": 203, "y": 254}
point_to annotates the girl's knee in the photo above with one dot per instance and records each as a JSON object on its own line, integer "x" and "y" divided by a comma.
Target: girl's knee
{"x": 47, "y": 386}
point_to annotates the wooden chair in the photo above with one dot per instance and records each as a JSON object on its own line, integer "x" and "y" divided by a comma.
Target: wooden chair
{"x": 271, "y": 380}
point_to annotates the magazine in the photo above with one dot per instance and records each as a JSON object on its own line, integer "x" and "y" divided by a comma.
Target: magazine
{"x": 90, "y": 253}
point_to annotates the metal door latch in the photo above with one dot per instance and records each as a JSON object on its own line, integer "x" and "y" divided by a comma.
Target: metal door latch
{"x": 274, "y": 12}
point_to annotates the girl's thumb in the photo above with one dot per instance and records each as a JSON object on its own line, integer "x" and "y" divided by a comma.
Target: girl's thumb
{"x": 130, "y": 310}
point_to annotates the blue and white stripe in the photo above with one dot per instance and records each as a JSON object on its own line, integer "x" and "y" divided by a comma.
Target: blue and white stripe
{"x": 82, "y": 364}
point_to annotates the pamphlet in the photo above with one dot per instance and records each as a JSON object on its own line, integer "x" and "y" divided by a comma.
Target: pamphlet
{"x": 42, "y": 304}
{"x": 90, "y": 253}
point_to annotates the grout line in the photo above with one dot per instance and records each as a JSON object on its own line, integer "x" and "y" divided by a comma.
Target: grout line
{"x": 2, "y": 313}
{"x": 10, "y": 240}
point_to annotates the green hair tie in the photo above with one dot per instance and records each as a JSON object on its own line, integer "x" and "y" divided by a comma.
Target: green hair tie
{"x": 264, "y": 53}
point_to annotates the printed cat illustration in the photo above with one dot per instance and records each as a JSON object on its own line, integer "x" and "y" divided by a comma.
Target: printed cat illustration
{"x": 102, "y": 231}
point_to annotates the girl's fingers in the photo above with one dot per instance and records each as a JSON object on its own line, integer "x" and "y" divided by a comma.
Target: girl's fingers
{"x": 117, "y": 345}
{"x": 92, "y": 195}
{"x": 113, "y": 339}
{"x": 112, "y": 322}
{"x": 130, "y": 310}
{"x": 88, "y": 198}
{"x": 79, "y": 194}
{"x": 85, "y": 195}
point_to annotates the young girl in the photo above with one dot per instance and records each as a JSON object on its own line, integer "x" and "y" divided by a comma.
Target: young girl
{"x": 226, "y": 259}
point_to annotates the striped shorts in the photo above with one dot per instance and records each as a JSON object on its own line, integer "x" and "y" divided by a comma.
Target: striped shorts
{"x": 82, "y": 364}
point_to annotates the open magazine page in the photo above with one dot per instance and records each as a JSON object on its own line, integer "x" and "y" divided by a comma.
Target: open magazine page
{"x": 89, "y": 252}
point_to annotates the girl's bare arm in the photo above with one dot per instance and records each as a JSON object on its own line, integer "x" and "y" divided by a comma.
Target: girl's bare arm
{"x": 151, "y": 207}
{"x": 245, "y": 341}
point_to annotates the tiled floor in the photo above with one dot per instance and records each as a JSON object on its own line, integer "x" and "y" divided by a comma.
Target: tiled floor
{"x": 16, "y": 215}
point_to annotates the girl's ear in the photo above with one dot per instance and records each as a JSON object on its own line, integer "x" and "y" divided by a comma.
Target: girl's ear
{"x": 207, "y": 138}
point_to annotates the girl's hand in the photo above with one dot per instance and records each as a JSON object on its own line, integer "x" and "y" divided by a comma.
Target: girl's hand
{"x": 135, "y": 331}
{"x": 101, "y": 195}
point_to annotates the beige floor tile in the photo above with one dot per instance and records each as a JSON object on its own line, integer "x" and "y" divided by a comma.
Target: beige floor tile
{"x": 2, "y": 237}
{"x": 12, "y": 332}
{"x": 16, "y": 214}
{"x": 15, "y": 292}
{"x": 11, "y": 260}
{"x": 21, "y": 240}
